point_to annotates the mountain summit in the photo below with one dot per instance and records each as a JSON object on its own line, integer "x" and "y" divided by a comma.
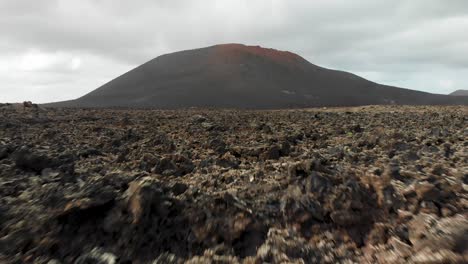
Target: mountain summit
{"x": 240, "y": 76}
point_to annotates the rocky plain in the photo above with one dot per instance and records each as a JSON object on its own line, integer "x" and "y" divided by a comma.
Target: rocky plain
{"x": 374, "y": 184}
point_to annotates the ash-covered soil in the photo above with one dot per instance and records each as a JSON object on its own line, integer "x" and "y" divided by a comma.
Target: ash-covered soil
{"x": 346, "y": 185}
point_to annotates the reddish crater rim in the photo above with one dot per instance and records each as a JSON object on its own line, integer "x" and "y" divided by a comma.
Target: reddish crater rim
{"x": 232, "y": 51}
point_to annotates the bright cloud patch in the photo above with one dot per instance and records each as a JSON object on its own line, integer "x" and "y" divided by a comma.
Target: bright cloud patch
{"x": 75, "y": 63}
{"x": 45, "y": 77}
{"x": 34, "y": 60}
{"x": 446, "y": 84}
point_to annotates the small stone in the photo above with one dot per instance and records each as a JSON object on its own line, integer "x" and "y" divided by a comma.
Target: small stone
{"x": 86, "y": 153}
{"x": 208, "y": 125}
{"x": 399, "y": 246}
{"x": 272, "y": 153}
{"x": 429, "y": 207}
{"x": 97, "y": 256}
{"x": 389, "y": 199}
{"x": 165, "y": 166}
{"x": 426, "y": 191}
{"x": 411, "y": 156}
{"x": 47, "y": 172}
{"x": 400, "y": 146}
{"x": 439, "y": 170}
{"x": 179, "y": 188}
{"x": 217, "y": 145}
{"x": 183, "y": 164}
{"x": 150, "y": 159}
{"x": 465, "y": 178}
{"x": 285, "y": 148}
{"x": 378, "y": 234}
{"x": 448, "y": 210}
{"x": 404, "y": 215}
{"x": 228, "y": 161}
{"x": 167, "y": 258}
{"x": 198, "y": 118}
{"x": 357, "y": 128}
{"x": 345, "y": 217}
{"x": 317, "y": 183}
{"x": 300, "y": 208}
{"x": 5, "y": 150}
{"x": 299, "y": 169}
{"x": 393, "y": 171}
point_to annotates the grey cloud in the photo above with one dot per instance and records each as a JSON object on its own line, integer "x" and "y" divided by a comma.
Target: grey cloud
{"x": 389, "y": 40}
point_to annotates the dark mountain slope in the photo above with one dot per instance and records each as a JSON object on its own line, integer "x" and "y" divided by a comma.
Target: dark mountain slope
{"x": 239, "y": 76}
{"x": 460, "y": 93}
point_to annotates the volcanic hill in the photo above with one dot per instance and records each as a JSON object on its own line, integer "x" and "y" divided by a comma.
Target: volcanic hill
{"x": 460, "y": 93}
{"x": 240, "y": 76}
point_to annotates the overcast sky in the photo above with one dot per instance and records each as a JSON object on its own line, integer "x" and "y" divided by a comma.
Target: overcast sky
{"x": 54, "y": 50}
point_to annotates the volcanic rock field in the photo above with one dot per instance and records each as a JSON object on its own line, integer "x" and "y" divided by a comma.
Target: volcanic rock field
{"x": 374, "y": 184}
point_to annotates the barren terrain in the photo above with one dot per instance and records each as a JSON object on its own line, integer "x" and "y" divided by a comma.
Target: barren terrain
{"x": 339, "y": 185}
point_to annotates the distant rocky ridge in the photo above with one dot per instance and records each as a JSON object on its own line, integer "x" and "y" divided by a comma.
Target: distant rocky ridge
{"x": 460, "y": 93}
{"x": 240, "y": 76}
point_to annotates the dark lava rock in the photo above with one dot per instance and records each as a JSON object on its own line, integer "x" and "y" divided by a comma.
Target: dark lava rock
{"x": 183, "y": 165}
{"x": 142, "y": 196}
{"x": 300, "y": 169}
{"x": 300, "y": 208}
{"x": 393, "y": 171}
{"x": 272, "y": 153}
{"x": 285, "y": 148}
{"x": 411, "y": 156}
{"x": 228, "y": 161}
{"x": 351, "y": 203}
{"x": 86, "y": 153}
{"x": 439, "y": 169}
{"x": 5, "y": 150}
{"x": 217, "y": 145}
{"x": 155, "y": 217}
{"x": 176, "y": 165}
{"x": 378, "y": 235}
{"x": 400, "y": 146}
{"x": 357, "y": 128}
{"x": 81, "y": 210}
{"x": 345, "y": 217}
{"x": 24, "y": 158}
{"x": 198, "y": 119}
{"x": 427, "y": 191}
{"x": 390, "y": 199}
{"x": 179, "y": 188}
{"x": 317, "y": 183}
